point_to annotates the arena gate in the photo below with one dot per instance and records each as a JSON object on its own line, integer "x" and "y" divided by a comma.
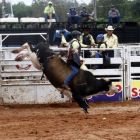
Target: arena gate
{"x": 133, "y": 71}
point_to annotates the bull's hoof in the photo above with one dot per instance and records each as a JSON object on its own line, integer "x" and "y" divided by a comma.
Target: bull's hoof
{"x": 85, "y": 110}
{"x": 86, "y": 102}
{"x": 86, "y": 113}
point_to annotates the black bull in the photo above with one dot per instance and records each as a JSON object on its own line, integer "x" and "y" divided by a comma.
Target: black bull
{"x": 56, "y": 70}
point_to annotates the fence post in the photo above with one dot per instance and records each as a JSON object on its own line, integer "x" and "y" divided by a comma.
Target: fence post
{"x": 0, "y": 62}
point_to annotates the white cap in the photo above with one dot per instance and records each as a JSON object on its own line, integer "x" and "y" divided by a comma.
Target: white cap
{"x": 109, "y": 28}
{"x": 49, "y": 2}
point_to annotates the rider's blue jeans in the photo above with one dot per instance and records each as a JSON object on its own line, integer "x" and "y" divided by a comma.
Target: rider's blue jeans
{"x": 72, "y": 75}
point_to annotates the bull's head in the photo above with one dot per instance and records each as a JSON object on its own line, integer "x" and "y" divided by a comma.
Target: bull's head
{"x": 112, "y": 89}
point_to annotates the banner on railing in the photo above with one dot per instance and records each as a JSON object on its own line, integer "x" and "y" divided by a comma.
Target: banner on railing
{"x": 135, "y": 89}
{"x": 104, "y": 97}
{"x": 135, "y": 93}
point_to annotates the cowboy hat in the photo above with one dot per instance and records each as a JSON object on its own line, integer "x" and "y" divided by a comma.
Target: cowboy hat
{"x": 49, "y": 2}
{"x": 109, "y": 28}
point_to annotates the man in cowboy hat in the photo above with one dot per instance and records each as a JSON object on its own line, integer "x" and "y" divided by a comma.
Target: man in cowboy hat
{"x": 110, "y": 38}
{"x": 111, "y": 41}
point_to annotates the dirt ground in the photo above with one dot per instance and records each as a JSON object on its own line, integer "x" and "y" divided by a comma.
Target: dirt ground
{"x": 106, "y": 121}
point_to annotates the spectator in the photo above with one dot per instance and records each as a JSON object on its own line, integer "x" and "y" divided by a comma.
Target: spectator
{"x": 62, "y": 37}
{"x": 49, "y": 11}
{"x": 113, "y": 16}
{"x": 73, "y": 17}
{"x": 92, "y": 16}
{"x": 101, "y": 53}
{"x": 111, "y": 40}
{"x": 87, "y": 40}
{"x": 84, "y": 15}
{"x": 72, "y": 11}
{"x": 100, "y": 44}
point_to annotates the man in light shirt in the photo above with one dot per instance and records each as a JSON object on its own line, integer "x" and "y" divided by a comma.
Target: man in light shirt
{"x": 110, "y": 38}
{"x": 111, "y": 41}
{"x": 49, "y": 11}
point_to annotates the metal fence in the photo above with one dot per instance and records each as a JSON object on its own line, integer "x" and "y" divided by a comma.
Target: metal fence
{"x": 20, "y": 81}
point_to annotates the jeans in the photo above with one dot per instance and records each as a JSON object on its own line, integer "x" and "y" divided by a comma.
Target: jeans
{"x": 53, "y": 17}
{"x": 57, "y": 38}
{"x": 114, "y": 20}
{"x": 73, "y": 19}
{"x": 106, "y": 59}
{"x": 72, "y": 75}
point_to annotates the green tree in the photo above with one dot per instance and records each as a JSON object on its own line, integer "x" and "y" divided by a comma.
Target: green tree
{"x": 136, "y": 9}
{"x": 103, "y": 7}
{"x": 21, "y": 10}
{"x": 38, "y": 8}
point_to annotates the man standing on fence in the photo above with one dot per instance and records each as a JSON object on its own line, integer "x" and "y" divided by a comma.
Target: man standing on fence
{"x": 49, "y": 11}
{"x": 113, "y": 15}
